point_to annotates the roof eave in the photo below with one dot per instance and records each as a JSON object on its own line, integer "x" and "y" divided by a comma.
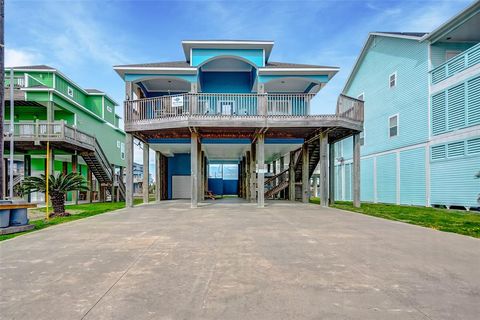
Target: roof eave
{"x": 466, "y": 13}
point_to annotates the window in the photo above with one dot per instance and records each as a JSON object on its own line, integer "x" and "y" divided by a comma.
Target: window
{"x": 122, "y": 150}
{"x": 362, "y": 137}
{"x": 361, "y": 96}
{"x": 393, "y": 80}
{"x": 70, "y": 92}
{"x": 118, "y": 144}
{"x": 449, "y": 54}
{"x": 393, "y": 126}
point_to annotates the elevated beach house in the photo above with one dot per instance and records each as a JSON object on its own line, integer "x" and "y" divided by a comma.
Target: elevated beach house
{"x": 226, "y": 104}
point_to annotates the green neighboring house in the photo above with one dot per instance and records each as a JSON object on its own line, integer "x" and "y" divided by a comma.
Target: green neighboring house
{"x": 81, "y": 126}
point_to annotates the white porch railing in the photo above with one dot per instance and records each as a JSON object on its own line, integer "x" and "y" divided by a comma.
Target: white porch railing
{"x": 461, "y": 62}
{"x": 42, "y": 130}
{"x": 231, "y": 105}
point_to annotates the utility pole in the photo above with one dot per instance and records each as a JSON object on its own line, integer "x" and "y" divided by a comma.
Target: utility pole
{"x": 2, "y": 93}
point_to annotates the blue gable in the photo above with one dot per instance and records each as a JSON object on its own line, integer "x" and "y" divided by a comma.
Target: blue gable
{"x": 254, "y": 56}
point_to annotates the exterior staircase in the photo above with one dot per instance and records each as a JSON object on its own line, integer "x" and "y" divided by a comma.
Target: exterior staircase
{"x": 279, "y": 182}
{"x": 101, "y": 169}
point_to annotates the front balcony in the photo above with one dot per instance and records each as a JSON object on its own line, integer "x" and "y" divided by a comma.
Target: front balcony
{"x": 237, "y": 111}
{"x": 34, "y": 134}
{"x": 469, "y": 60}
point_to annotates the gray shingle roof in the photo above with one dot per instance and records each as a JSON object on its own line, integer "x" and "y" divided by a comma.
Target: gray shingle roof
{"x": 37, "y": 67}
{"x": 171, "y": 64}
{"x": 94, "y": 91}
{"x": 280, "y": 65}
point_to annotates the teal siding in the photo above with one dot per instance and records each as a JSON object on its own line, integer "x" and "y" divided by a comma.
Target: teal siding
{"x": 412, "y": 177}
{"x": 453, "y": 167}
{"x": 386, "y": 178}
{"x": 366, "y": 180}
{"x": 439, "y": 50}
{"x": 348, "y": 182}
{"x": 409, "y": 59}
{"x": 456, "y": 107}
{"x": 338, "y": 182}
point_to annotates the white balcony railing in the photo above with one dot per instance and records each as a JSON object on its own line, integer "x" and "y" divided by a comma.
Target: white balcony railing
{"x": 42, "y": 131}
{"x": 231, "y": 105}
{"x": 457, "y": 64}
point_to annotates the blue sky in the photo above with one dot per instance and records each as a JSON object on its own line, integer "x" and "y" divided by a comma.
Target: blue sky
{"x": 84, "y": 39}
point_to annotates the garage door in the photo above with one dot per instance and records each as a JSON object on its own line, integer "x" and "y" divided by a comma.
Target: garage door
{"x": 181, "y": 188}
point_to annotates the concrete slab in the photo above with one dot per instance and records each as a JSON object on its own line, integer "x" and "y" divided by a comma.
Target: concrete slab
{"x": 231, "y": 260}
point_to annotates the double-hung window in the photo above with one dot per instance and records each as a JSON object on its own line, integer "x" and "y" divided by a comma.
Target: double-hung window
{"x": 392, "y": 79}
{"x": 393, "y": 126}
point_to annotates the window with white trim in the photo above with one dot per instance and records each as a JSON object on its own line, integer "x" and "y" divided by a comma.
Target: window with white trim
{"x": 392, "y": 80}
{"x": 122, "y": 151}
{"x": 70, "y": 92}
{"x": 362, "y": 137}
{"x": 118, "y": 144}
{"x": 393, "y": 126}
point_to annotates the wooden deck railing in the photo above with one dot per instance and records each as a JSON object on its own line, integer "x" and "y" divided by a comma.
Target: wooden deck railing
{"x": 231, "y": 105}
{"x": 42, "y": 131}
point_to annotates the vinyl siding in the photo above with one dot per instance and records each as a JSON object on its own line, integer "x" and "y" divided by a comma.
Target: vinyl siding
{"x": 453, "y": 167}
{"x": 412, "y": 177}
{"x": 408, "y": 99}
{"x": 366, "y": 180}
{"x": 386, "y": 178}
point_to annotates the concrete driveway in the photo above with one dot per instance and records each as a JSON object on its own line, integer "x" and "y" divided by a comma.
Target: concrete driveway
{"x": 234, "y": 261}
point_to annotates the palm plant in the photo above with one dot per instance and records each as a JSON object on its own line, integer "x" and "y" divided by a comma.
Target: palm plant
{"x": 58, "y": 186}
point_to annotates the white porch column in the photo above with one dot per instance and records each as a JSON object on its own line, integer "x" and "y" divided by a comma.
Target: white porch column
{"x": 261, "y": 170}
{"x": 129, "y": 170}
{"x": 324, "y": 169}
{"x": 331, "y": 174}
{"x": 356, "y": 170}
{"x": 194, "y": 168}
{"x": 146, "y": 171}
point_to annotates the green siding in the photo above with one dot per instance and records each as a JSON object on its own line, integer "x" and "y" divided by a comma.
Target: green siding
{"x": 63, "y": 86}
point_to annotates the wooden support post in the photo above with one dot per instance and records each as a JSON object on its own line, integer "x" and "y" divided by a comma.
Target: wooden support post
{"x": 200, "y": 170}
{"x": 282, "y": 167}
{"x": 261, "y": 170}
{"x": 129, "y": 170}
{"x": 90, "y": 185}
{"x": 194, "y": 168}
{"x": 158, "y": 177}
{"x": 324, "y": 169}
{"x": 331, "y": 174}
{"x": 305, "y": 174}
{"x": 112, "y": 187}
{"x": 247, "y": 175}
{"x": 253, "y": 175}
{"x": 146, "y": 171}
{"x": 27, "y": 170}
{"x": 75, "y": 170}
{"x": 356, "y": 170}
{"x": 291, "y": 177}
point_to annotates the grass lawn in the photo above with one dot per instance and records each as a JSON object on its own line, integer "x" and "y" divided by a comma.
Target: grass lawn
{"x": 457, "y": 221}
{"x": 81, "y": 211}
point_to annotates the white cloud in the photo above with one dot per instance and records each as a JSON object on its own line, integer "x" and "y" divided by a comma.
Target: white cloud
{"x": 21, "y": 57}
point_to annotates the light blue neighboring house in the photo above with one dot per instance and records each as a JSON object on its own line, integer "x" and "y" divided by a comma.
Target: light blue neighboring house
{"x": 421, "y": 139}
